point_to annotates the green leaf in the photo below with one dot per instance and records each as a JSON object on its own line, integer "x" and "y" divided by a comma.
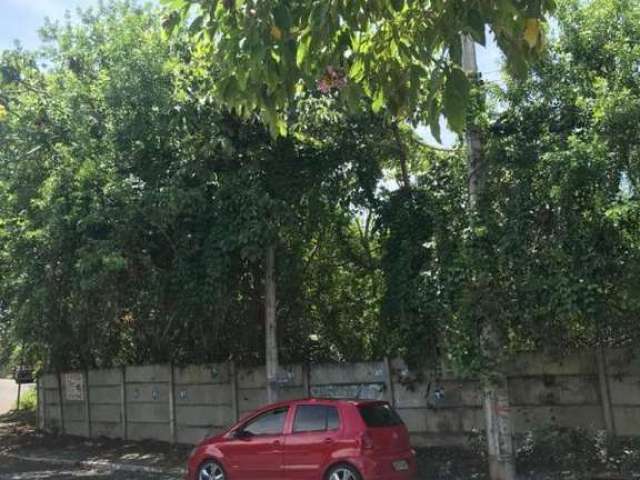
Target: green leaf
{"x": 196, "y": 25}
{"x": 303, "y": 49}
{"x": 356, "y": 72}
{"x": 378, "y": 101}
{"x": 171, "y": 21}
{"x": 456, "y": 93}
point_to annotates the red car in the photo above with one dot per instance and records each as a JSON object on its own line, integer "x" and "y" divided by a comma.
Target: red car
{"x": 309, "y": 440}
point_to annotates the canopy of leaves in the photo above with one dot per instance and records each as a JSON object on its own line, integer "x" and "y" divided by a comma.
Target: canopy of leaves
{"x": 401, "y": 55}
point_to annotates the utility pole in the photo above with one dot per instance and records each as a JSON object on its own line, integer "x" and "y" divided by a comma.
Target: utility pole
{"x": 495, "y": 387}
{"x": 271, "y": 330}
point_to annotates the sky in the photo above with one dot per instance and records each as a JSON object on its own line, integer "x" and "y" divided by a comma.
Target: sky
{"x": 21, "y": 19}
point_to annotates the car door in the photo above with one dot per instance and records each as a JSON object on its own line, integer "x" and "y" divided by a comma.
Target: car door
{"x": 309, "y": 446}
{"x": 255, "y": 452}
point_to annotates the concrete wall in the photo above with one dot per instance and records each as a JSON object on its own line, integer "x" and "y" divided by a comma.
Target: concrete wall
{"x": 185, "y": 404}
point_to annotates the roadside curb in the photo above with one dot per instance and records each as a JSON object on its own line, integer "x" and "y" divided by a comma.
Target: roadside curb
{"x": 112, "y": 466}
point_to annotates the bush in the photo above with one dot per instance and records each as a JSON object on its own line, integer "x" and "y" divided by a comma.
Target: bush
{"x": 28, "y": 400}
{"x": 559, "y": 452}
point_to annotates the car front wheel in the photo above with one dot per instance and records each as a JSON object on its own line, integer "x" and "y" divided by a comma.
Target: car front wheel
{"x": 211, "y": 470}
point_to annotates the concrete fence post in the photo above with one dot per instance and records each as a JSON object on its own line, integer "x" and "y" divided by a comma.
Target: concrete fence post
{"x": 43, "y": 400}
{"x": 233, "y": 385}
{"x": 38, "y": 413}
{"x": 388, "y": 380}
{"x": 172, "y": 404}
{"x": 306, "y": 379}
{"x": 87, "y": 403}
{"x": 60, "y": 402}
{"x": 605, "y": 391}
{"x": 123, "y": 402}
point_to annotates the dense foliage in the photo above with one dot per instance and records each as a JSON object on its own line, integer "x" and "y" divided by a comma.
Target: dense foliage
{"x": 134, "y": 213}
{"x": 134, "y": 207}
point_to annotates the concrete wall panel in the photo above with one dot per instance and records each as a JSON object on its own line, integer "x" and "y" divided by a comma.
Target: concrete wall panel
{"x": 290, "y": 375}
{"x": 74, "y": 412}
{"x": 148, "y": 374}
{"x": 627, "y": 420}
{"x": 191, "y": 436}
{"x": 540, "y": 364}
{"x": 623, "y": 362}
{"x": 194, "y": 374}
{"x": 204, "y": 416}
{"x": 49, "y": 380}
{"x": 105, "y": 413}
{"x": 527, "y": 418}
{"x": 147, "y": 393}
{"x": 106, "y": 429}
{"x": 75, "y": 428}
{"x": 219, "y": 394}
{"x": 149, "y": 431}
{"x": 337, "y": 374}
{"x": 148, "y": 412}
{"x": 105, "y": 394}
{"x": 444, "y": 420}
{"x": 554, "y": 390}
{"x": 111, "y": 376}
{"x": 625, "y": 390}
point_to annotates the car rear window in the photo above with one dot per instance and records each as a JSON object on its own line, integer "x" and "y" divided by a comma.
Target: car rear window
{"x": 379, "y": 415}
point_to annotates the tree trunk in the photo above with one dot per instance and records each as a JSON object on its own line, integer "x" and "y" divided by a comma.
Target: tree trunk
{"x": 271, "y": 331}
{"x": 495, "y": 386}
{"x": 18, "y": 399}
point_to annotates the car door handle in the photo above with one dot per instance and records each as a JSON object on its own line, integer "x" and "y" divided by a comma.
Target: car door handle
{"x": 276, "y": 443}
{"x": 328, "y": 440}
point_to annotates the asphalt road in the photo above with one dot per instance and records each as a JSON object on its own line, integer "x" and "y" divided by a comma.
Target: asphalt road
{"x": 19, "y": 470}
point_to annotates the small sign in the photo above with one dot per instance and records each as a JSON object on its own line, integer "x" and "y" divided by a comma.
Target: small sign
{"x": 74, "y": 386}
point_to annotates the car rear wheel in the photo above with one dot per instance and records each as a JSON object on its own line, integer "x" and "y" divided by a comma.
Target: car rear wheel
{"x": 211, "y": 470}
{"x": 343, "y": 472}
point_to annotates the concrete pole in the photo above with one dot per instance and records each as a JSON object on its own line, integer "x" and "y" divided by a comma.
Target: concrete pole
{"x": 271, "y": 331}
{"x": 495, "y": 390}
{"x": 605, "y": 391}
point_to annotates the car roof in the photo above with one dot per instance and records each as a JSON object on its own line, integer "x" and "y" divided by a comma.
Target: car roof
{"x": 321, "y": 401}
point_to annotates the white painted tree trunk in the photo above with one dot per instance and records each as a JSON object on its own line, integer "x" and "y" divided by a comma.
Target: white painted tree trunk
{"x": 271, "y": 330}
{"x": 495, "y": 386}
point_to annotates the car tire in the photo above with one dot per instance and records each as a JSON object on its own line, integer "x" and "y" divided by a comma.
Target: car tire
{"x": 343, "y": 471}
{"x": 211, "y": 470}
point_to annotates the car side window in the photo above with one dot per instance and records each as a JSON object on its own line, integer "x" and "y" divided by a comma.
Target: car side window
{"x": 268, "y": 423}
{"x": 315, "y": 418}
